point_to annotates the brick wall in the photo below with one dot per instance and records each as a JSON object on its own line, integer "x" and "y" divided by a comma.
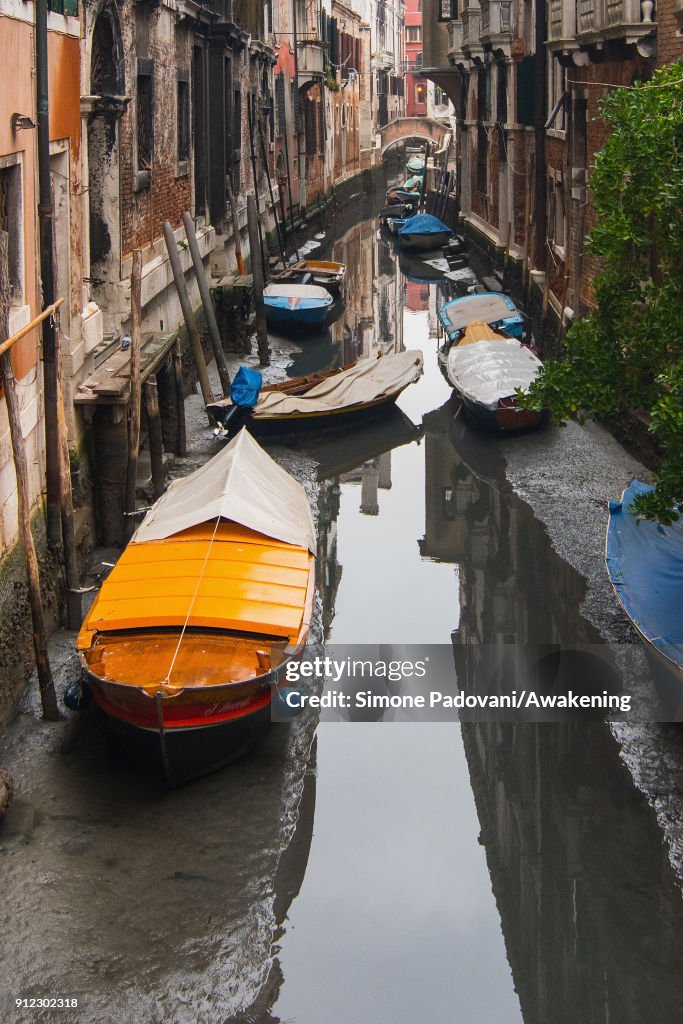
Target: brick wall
{"x": 168, "y": 193}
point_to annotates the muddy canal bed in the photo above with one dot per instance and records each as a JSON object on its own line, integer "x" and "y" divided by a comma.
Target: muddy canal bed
{"x": 385, "y": 869}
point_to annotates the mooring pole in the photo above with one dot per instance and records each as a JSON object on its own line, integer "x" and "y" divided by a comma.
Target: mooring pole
{"x": 135, "y": 387}
{"x": 235, "y": 225}
{"x": 192, "y": 332}
{"x": 45, "y": 212}
{"x": 46, "y": 684}
{"x": 264, "y": 157}
{"x": 257, "y": 272}
{"x": 156, "y": 446}
{"x": 209, "y": 311}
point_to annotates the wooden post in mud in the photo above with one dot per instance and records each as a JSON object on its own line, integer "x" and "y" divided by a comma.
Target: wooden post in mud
{"x": 135, "y": 393}
{"x": 156, "y": 447}
{"x": 209, "y": 312}
{"x": 74, "y": 605}
{"x": 181, "y": 433}
{"x": 257, "y": 272}
{"x": 45, "y": 681}
{"x": 192, "y": 332}
{"x": 235, "y": 226}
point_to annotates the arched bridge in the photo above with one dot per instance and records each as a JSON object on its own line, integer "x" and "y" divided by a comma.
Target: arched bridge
{"x": 413, "y": 128}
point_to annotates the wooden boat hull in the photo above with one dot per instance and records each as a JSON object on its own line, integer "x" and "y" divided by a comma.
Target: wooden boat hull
{"x": 306, "y": 412}
{"x": 262, "y": 426}
{"x": 325, "y": 274}
{"x": 507, "y": 418}
{"x": 425, "y": 243}
{"x": 304, "y": 317}
{"x": 193, "y": 735}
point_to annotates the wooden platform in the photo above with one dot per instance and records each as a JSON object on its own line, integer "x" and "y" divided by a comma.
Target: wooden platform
{"x": 109, "y": 383}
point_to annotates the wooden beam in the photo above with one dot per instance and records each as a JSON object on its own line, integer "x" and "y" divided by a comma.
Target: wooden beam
{"x": 50, "y": 311}
{"x": 192, "y": 332}
{"x": 209, "y": 312}
{"x": 156, "y": 447}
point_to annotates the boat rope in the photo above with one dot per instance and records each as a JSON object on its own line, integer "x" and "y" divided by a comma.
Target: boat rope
{"x": 167, "y": 680}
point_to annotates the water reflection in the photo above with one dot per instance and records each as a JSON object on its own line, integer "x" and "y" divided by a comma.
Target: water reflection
{"x": 221, "y": 903}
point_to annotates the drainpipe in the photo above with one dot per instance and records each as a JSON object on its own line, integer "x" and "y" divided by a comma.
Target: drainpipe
{"x": 540, "y": 77}
{"x": 45, "y": 216}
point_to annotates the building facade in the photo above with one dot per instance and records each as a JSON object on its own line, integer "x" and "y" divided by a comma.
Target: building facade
{"x": 526, "y": 81}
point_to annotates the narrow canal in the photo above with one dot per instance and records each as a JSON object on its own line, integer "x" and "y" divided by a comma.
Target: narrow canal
{"x": 381, "y": 870}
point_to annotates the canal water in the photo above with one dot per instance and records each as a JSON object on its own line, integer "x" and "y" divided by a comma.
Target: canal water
{"x": 360, "y": 868}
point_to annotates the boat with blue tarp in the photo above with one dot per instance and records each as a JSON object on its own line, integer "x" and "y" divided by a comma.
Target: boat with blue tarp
{"x": 645, "y": 565}
{"x": 424, "y": 232}
{"x": 296, "y": 306}
{"x": 492, "y": 308}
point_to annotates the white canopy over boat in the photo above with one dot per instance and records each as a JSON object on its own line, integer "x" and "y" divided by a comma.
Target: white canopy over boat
{"x": 487, "y": 371}
{"x": 243, "y": 484}
{"x": 368, "y": 381}
{"x": 282, "y": 290}
{"x": 487, "y": 307}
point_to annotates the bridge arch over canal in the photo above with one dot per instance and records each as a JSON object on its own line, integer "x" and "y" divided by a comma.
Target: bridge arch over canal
{"x": 413, "y": 128}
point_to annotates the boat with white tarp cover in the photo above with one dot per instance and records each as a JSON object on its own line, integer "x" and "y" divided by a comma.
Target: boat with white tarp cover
{"x": 330, "y": 398}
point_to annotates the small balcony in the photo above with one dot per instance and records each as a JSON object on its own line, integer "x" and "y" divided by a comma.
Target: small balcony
{"x": 562, "y": 25}
{"x": 496, "y": 24}
{"x": 455, "y": 54}
{"x": 597, "y": 21}
{"x": 471, "y": 29}
{"x": 310, "y": 59}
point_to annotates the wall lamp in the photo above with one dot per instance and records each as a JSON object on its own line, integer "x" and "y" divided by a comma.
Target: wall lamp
{"x": 19, "y": 122}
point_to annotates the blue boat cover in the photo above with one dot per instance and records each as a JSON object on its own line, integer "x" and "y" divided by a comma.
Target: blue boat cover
{"x": 424, "y": 224}
{"x": 245, "y": 388}
{"x": 645, "y": 565}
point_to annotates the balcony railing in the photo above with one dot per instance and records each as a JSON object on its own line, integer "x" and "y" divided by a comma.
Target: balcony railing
{"x": 495, "y": 21}
{"x": 310, "y": 57}
{"x": 561, "y": 21}
{"x": 455, "y": 41}
{"x": 592, "y": 21}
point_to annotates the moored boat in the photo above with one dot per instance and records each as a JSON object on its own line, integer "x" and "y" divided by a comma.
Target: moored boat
{"x": 645, "y": 565}
{"x": 486, "y": 368}
{"x": 324, "y": 273}
{"x": 492, "y": 308}
{"x": 193, "y": 629}
{"x": 324, "y": 400}
{"x": 296, "y": 306}
{"x": 424, "y": 232}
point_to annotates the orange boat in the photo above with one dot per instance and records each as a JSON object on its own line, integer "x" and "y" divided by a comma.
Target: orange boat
{"x": 192, "y": 631}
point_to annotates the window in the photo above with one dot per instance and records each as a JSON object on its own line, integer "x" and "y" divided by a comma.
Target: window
{"x": 448, "y": 10}
{"x": 414, "y": 34}
{"x": 420, "y": 93}
{"x": 482, "y": 160}
{"x": 280, "y": 112}
{"x": 310, "y": 125}
{"x": 557, "y": 215}
{"x": 418, "y": 59}
{"x": 144, "y": 119}
{"x": 11, "y": 222}
{"x": 67, "y": 7}
{"x": 557, "y": 84}
{"x": 183, "y": 120}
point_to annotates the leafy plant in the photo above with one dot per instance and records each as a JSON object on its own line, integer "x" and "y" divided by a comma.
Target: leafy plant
{"x": 628, "y": 353}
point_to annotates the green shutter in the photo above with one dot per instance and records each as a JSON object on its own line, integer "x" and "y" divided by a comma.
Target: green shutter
{"x": 525, "y": 91}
